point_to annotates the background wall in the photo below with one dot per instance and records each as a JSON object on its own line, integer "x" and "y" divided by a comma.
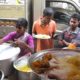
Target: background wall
{"x": 39, "y": 5}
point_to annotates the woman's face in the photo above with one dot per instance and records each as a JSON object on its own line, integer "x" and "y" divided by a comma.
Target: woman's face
{"x": 20, "y": 30}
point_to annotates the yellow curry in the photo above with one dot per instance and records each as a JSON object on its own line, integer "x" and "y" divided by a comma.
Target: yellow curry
{"x": 24, "y": 68}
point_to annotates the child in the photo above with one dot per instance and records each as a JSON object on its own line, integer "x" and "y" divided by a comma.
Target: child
{"x": 21, "y": 38}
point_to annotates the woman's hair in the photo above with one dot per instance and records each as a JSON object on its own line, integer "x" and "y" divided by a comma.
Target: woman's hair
{"x": 21, "y": 22}
{"x": 48, "y": 11}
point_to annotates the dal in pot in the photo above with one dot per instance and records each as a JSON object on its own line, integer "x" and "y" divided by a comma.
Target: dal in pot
{"x": 23, "y": 70}
{"x": 22, "y": 64}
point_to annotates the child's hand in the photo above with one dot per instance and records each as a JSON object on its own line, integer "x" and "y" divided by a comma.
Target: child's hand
{"x": 20, "y": 43}
{"x": 17, "y": 43}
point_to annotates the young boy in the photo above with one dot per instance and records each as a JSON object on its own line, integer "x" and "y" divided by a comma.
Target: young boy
{"x": 45, "y": 26}
{"x": 71, "y": 33}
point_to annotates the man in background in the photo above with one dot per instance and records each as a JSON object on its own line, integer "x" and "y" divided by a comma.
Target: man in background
{"x": 44, "y": 25}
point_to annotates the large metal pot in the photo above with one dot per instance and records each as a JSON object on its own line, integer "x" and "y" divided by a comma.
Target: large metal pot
{"x": 24, "y": 75}
{"x": 57, "y": 52}
{"x": 1, "y": 75}
{"x": 7, "y": 55}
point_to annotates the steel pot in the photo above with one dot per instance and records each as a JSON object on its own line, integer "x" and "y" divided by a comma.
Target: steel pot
{"x": 24, "y": 75}
{"x": 57, "y": 52}
{"x": 1, "y": 75}
{"x": 7, "y": 55}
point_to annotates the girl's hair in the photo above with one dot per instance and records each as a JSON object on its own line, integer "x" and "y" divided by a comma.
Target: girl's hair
{"x": 21, "y": 22}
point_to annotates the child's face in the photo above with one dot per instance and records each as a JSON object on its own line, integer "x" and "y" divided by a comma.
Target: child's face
{"x": 20, "y": 31}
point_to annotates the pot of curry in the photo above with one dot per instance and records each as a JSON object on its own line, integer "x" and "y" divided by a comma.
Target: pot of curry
{"x": 56, "y": 64}
{"x": 23, "y": 71}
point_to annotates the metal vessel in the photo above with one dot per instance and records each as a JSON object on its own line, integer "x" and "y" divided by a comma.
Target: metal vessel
{"x": 57, "y": 52}
{"x": 22, "y": 75}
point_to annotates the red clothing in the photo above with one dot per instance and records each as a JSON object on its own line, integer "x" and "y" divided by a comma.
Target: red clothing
{"x": 49, "y": 29}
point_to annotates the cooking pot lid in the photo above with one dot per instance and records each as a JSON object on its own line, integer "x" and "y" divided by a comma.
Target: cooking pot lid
{"x": 7, "y": 51}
